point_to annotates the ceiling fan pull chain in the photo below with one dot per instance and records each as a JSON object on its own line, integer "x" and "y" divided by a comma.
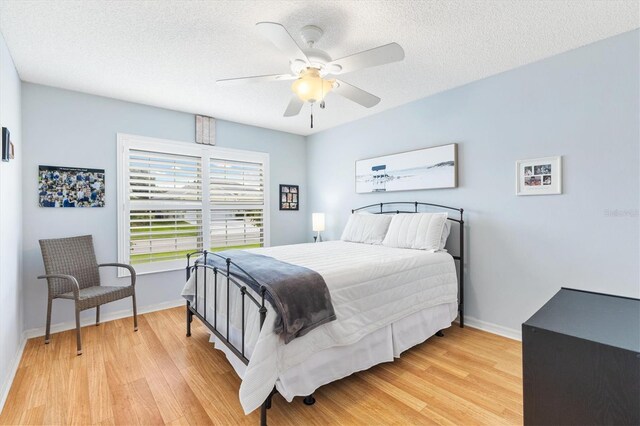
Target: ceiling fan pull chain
{"x": 312, "y": 116}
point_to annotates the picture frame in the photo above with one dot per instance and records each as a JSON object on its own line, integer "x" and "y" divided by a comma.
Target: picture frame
{"x": 289, "y": 197}
{"x": 539, "y": 176}
{"x": 434, "y": 167}
{"x": 7, "y": 145}
{"x": 66, "y": 187}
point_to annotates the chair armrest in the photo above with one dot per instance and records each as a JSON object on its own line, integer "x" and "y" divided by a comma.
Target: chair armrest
{"x": 123, "y": 265}
{"x": 76, "y": 287}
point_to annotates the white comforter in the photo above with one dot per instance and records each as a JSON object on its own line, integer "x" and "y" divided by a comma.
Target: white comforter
{"x": 371, "y": 287}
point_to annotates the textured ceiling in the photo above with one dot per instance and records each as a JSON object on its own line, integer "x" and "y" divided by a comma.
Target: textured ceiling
{"x": 169, "y": 53}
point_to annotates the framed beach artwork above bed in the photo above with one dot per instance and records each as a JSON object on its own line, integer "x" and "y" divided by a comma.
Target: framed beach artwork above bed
{"x": 427, "y": 168}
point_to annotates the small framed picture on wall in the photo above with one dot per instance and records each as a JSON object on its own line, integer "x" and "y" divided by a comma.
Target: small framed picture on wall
{"x": 539, "y": 176}
{"x": 289, "y": 197}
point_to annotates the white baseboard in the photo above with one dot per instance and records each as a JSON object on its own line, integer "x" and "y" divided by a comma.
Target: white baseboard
{"x": 56, "y": 328}
{"x": 509, "y": 333}
{"x": 13, "y": 369}
{"x": 64, "y": 326}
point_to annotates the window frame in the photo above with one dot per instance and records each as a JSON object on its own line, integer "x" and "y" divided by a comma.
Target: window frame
{"x": 125, "y": 142}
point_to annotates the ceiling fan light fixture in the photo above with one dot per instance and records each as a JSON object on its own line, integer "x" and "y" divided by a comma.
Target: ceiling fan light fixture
{"x": 313, "y": 70}
{"x": 310, "y": 87}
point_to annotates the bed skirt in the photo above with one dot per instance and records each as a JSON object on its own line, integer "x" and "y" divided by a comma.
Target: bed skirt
{"x": 382, "y": 345}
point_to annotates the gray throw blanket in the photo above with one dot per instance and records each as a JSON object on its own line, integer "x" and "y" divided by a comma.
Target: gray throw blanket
{"x": 300, "y": 296}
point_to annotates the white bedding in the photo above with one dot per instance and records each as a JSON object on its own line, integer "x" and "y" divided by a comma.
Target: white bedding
{"x": 372, "y": 287}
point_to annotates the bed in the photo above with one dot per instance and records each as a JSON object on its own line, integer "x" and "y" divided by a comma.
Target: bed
{"x": 386, "y": 300}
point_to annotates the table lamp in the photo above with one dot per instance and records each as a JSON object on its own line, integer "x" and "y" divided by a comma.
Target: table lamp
{"x": 317, "y": 220}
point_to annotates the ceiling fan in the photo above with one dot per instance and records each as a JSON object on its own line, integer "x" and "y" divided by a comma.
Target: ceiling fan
{"x": 314, "y": 71}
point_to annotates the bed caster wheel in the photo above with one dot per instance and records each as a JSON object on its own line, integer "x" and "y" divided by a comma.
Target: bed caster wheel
{"x": 440, "y": 334}
{"x": 309, "y": 400}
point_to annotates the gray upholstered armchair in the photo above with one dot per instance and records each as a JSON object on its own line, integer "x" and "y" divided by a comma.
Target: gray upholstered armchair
{"x": 72, "y": 273}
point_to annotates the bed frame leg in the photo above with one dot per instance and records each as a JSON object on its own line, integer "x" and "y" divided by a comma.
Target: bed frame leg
{"x": 263, "y": 414}
{"x": 440, "y": 333}
{"x": 270, "y": 397}
{"x": 189, "y": 319}
{"x": 309, "y": 400}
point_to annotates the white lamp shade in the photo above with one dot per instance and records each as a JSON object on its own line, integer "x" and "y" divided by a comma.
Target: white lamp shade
{"x": 317, "y": 220}
{"x": 310, "y": 87}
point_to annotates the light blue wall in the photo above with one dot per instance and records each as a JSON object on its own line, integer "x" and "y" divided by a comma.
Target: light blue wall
{"x": 583, "y": 105}
{"x": 10, "y": 225}
{"x": 68, "y": 128}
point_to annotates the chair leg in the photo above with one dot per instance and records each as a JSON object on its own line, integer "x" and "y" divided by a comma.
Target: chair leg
{"x": 135, "y": 311}
{"x": 78, "y": 336}
{"x": 47, "y": 334}
{"x": 97, "y": 316}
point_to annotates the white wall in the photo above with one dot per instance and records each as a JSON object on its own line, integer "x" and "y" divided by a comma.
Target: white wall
{"x": 68, "y": 128}
{"x": 10, "y": 226}
{"x": 583, "y": 105}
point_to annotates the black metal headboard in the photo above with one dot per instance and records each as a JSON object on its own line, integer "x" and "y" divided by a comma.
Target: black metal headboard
{"x": 413, "y": 207}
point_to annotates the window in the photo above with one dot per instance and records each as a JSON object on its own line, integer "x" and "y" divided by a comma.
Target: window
{"x": 175, "y": 198}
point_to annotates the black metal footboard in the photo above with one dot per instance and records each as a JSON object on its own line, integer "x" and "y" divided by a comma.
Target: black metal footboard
{"x": 227, "y": 280}
{"x": 224, "y": 277}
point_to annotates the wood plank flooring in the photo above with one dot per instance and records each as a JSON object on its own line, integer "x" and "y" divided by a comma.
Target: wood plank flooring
{"x": 159, "y": 376}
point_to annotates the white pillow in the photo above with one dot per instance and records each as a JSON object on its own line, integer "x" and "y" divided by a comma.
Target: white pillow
{"x": 366, "y": 228}
{"x": 422, "y": 231}
{"x": 445, "y": 234}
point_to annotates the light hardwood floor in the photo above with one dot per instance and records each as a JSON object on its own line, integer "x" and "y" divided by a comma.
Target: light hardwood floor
{"x": 159, "y": 376}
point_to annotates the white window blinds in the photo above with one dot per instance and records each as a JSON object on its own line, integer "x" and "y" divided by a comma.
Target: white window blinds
{"x": 163, "y": 234}
{"x": 236, "y": 182}
{"x": 161, "y": 186}
{"x": 157, "y": 176}
{"x": 177, "y": 198}
{"x": 237, "y": 199}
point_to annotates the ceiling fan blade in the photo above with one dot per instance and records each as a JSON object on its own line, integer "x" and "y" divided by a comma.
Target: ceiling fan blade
{"x": 280, "y": 37}
{"x": 256, "y": 79}
{"x": 386, "y": 54}
{"x": 294, "y": 107}
{"x": 355, "y": 94}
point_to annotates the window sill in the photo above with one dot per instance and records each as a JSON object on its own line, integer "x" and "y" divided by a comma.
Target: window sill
{"x": 145, "y": 270}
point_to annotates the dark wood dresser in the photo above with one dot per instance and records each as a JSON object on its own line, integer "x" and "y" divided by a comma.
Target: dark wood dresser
{"x": 581, "y": 361}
